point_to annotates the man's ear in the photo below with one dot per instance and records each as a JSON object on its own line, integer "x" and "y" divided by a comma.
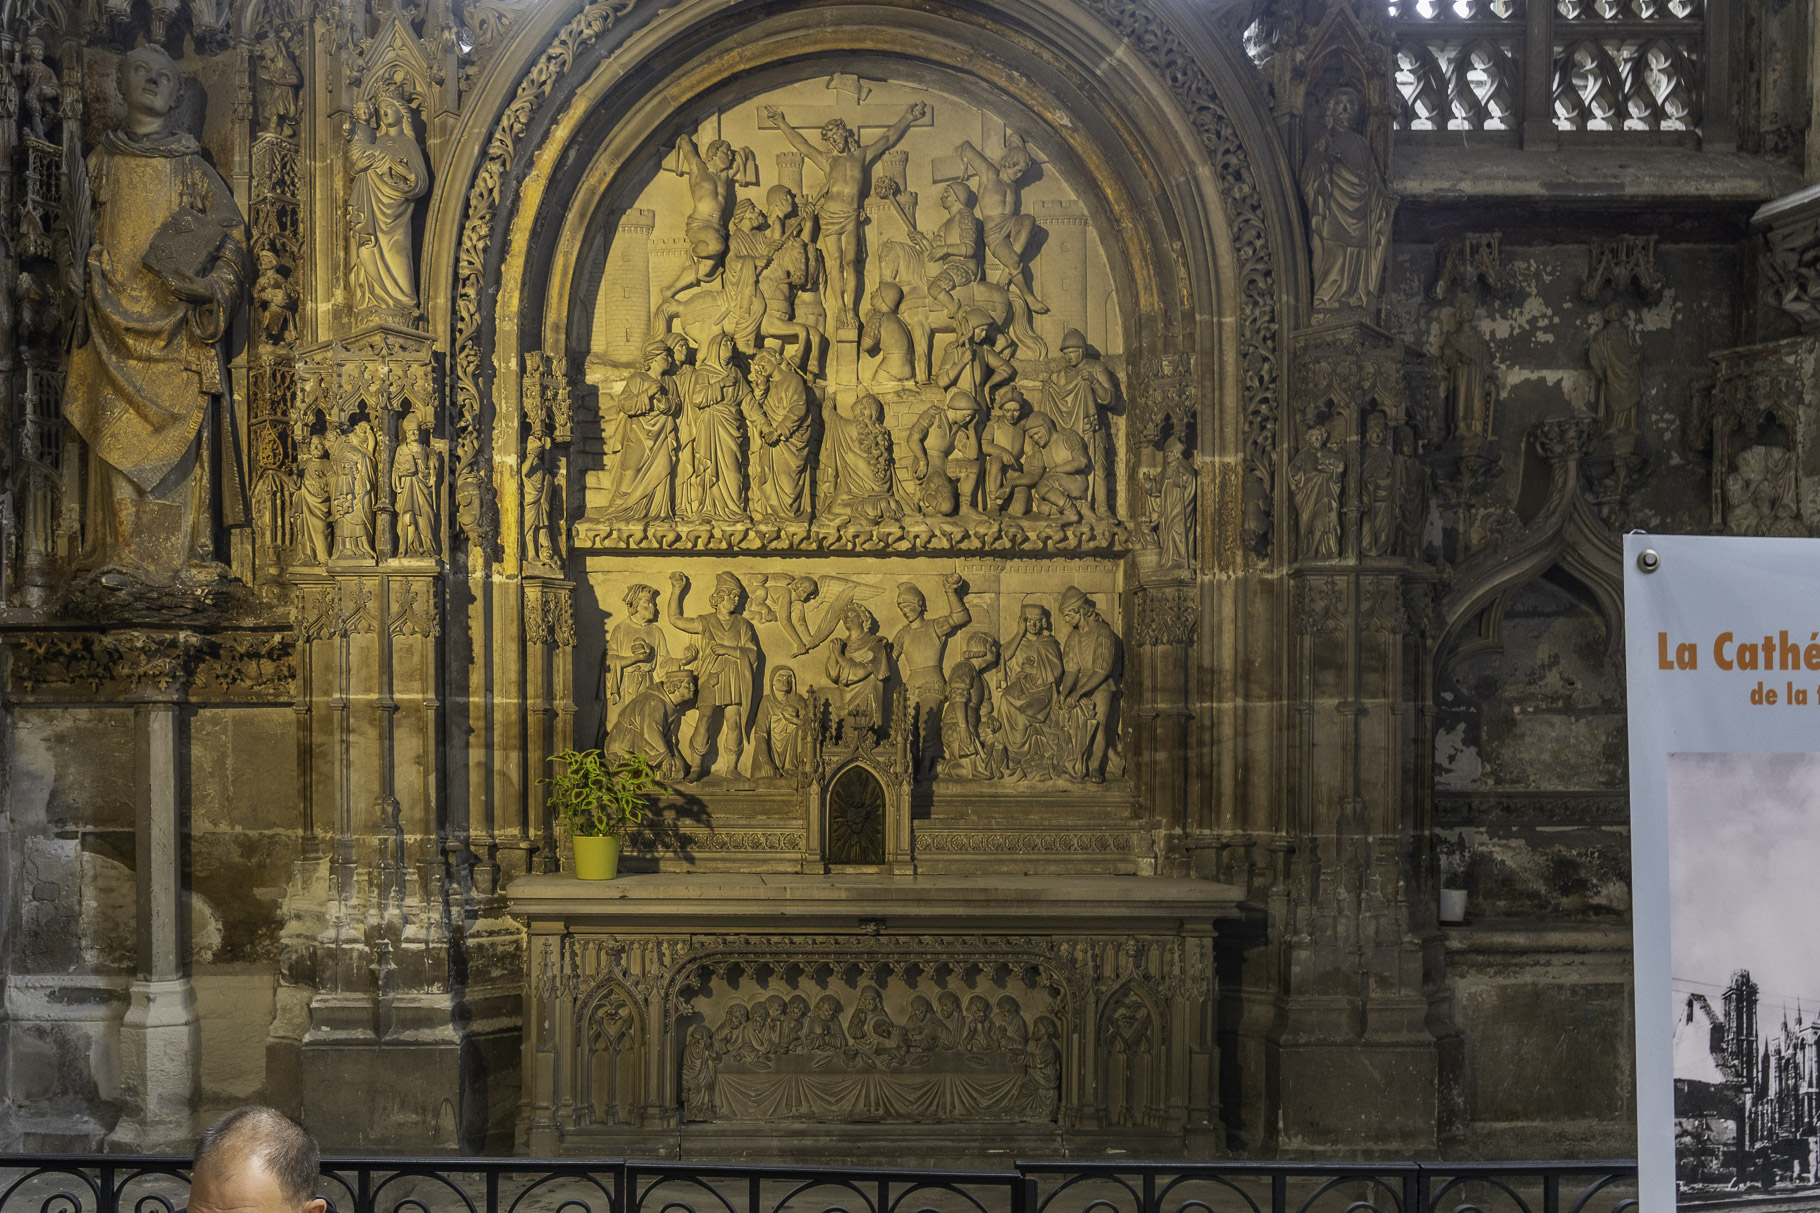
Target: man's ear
{"x": 316, "y": 1205}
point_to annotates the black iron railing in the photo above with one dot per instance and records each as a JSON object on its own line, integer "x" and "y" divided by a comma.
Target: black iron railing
{"x": 97, "y": 1183}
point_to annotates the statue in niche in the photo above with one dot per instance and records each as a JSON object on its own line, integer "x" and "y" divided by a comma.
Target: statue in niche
{"x": 277, "y": 301}
{"x": 971, "y": 363}
{"x": 715, "y": 437}
{"x": 1007, "y": 228}
{"x": 1091, "y": 668}
{"x": 1125, "y": 1040}
{"x": 712, "y": 176}
{"x": 859, "y": 666}
{"x": 789, "y": 271}
{"x": 416, "y": 471}
{"x": 648, "y": 724}
{"x": 539, "y": 499}
{"x": 1314, "y": 481}
{"x": 1378, "y": 472}
{"x": 355, "y": 474}
{"x": 780, "y": 730}
{"x": 945, "y": 456}
{"x": 640, "y": 440}
{"x": 951, "y": 255}
{"x": 1004, "y": 445}
{"x": 390, "y": 174}
{"x": 777, "y": 415}
{"x": 40, "y": 92}
{"x": 1760, "y": 493}
{"x": 1472, "y": 388}
{"x": 314, "y": 500}
{"x": 280, "y": 82}
{"x": 886, "y": 335}
{"x": 635, "y": 650}
{"x": 920, "y": 643}
{"x": 698, "y": 1075}
{"x": 1056, "y": 469}
{"x": 1042, "y": 1070}
{"x": 858, "y": 472}
{"x": 970, "y": 749}
{"x": 1349, "y": 205}
{"x": 844, "y": 163}
{"x": 726, "y": 666}
{"x": 1172, "y": 490}
{"x": 1033, "y": 671}
{"x": 163, "y": 277}
{"x": 1412, "y": 501}
{"x": 1617, "y": 366}
{"x": 1075, "y": 393}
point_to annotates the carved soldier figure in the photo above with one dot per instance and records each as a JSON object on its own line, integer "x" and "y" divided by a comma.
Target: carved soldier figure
{"x": 971, "y": 364}
{"x": 1003, "y": 445}
{"x": 1349, "y": 205}
{"x": 39, "y": 89}
{"x": 953, "y": 253}
{"x": 163, "y": 277}
{"x": 416, "y": 471}
{"x": 1091, "y": 666}
{"x": 1008, "y": 229}
{"x": 641, "y": 442}
{"x": 727, "y": 669}
{"x": 919, "y": 644}
{"x": 778, "y": 418}
{"x": 711, "y": 183}
{"x": 844, "y": 162}
{"x": 1059, "y": 481}
{"x": 390, "y": 174}
{"x": 1617, "y": 365}
{"x": 540, "y": 490}
{"x": 1076, "y": 391}
{"x": 280, "y": 81}
{"x": 779, "y": 730}
{"x": 1471, "y": 388}
{"x": 860, "y": 665}
{"x": 945, "y": 455}
{"x": 1314, "y": 481}
{"x": 314, "y": 500}
{"x": 635, "y": 647}
{"x": 790, "y": 270}
{"x": 1172, "y": 489}
{"x": 355, "y": 474}
{"x": 647, "y": 724}
{"x": 1378, "y": 483}
{"x": 886, "y": 335}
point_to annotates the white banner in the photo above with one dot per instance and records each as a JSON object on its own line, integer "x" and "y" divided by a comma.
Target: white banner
{"x": 1723, "y": 647}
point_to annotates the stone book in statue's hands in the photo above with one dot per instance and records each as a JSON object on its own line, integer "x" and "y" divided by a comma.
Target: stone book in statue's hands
{"x": 185, "y": 246}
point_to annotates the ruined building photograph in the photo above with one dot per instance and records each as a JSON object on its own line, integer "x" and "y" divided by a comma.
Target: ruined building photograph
{"x": 1097, "y": 522}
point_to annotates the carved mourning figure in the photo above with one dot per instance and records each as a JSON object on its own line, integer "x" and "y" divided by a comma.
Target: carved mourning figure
{"x": 390, "y": 174}
{"x": 1349, "y": 205}
{"x": 39, "y": 90}
{"x": 355, "y": 475}
{"x": 539, "y": 490}
{"x": 1617, "y": 366}
{"x": 780, "y": 729}
{"x": 416, "y": 472}
{"x": 844, "y": 163}
{"x": 313, "y": 501}
{"x": 952, "y": 254}
{"x": 1075, "y": 393}
{"x": 164, "y": 274}
{"x": 1314, "y": 481}
{"x": 858, "y": 666}
{"x": 1471, "y": 386}
{"x": 648, "y": 724}
{"x": 1033, "y": 671}
{"x": 639, "y": 435}
{"x": 945, "y": 455}
{"x": 858, "y": 472}
{"x": 1172, "y": 489}
{"x": 714, "y": 430}
{"x": 886, "y": 335}
{"x": 726, "y": 667}
{"x": 1091, "y": 666}
{"x": 1378, "y": 472}
{"x": 712, "y": 177}
{"x": 636, "y": 650}
{"x": 1007, "y": 228}
{"x": 778, "y": 420}
{"x": 919, "y": 644}
{"x": 1060, "y": 479}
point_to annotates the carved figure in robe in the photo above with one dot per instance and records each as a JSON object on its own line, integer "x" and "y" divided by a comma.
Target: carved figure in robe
{"x": 1059, "y": 480}
{"x": 726, "y": 669}
{"x": 1092, "y": 663}
{"x": 777, "y": 414}
{"x": 698, "y": 1074}
{"x": 1009, "y": 1025}
{"x": 648, "y": 723}
{"x": 1076, "y": 392}
{"x": 1760, "y": 493}
{"x": 639, "y": 435}
{"x": 922, "y": 1030}
{"x": 162, "y": 278}
{"x": 277, "y": 302}
{"x": 945, "y": 456}
{"x": 1003, "y": 446}
{"x": 390, "y": 174}
{"x": 863, "y": 1023}
{"x": 796, "y": 1032}
{"x": 822, "y": 1032}
{"x": 969, "y": 748}
{"x": 1314, "y": 482}
{"x": 789, "y": 271}
{"x": 777, "y": 1020}
{"x": 1172, "y": 490}
{"x": 977, "y": 1032}
{"x": 1033, "y": 671}
{"x": 920, "y": 643}
{"x": 1125, "y": 1044}
{"x": 1349, "y": 207}
{"x": 1617, "y": 365}
{"x": 758, "y": 1030}
{"x": 39, "y": 90}
{"x": 780, "y": 729}
{"x": 1378, "y": 483}
{"x": 416, "y": 472}
{"x": 971, "y": 363}
{"x": 951, "y": 255}
{"x": 730, "y": 1039}
{"x": 1042, "y": 1070}
{"x": 714, "y": 406}
{"x": 313, "y": 501}
{"x": 1007, "y": 228}
{"x": 712, "y": 178}
{"x": 540, "y": 493}
{"x": 280, "y": 81}
{"x": 1472, "y": 389}
{"x": 635, "y": 649}
{"x": 858, "y": 473}
{"x": 1412, "y": 491}
{"x": 948, "y": 1010}
{"x": 844, "y": 162}
{"x": 886, "y": 335}
{"x": 859, "y": 666}
{"x": 355, "y": 473}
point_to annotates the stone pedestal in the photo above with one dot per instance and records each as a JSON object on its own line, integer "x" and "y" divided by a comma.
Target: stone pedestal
{"x": 160, "y": 1067}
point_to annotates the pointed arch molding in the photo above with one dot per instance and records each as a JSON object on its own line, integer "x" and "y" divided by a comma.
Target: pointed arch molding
{"x": 1199, "y": 162}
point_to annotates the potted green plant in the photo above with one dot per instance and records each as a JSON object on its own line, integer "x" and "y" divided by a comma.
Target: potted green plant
{"x": 599, "y": 799}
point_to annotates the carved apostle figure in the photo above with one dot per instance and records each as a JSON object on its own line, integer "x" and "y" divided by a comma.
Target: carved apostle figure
{"x": 640, "y": 441}
{"x": 778, "y": 418}
{"x": 1007, "y": 228}
{"x": 1172, "y": 490}
{"x": 1617, "y": 366}
{"x": 164, "y": 274}
{"x": 858, "y": 474}
{"x": 844, "y": 162}
{"x": 860, "y": 665}
{"x": 314, "y": 500}
{"x": 1042, "y": 1070}
{"x": 1349, "y": 205}
{"x": 390, "y": 175}
{"x": 712, "y": 177}
{"x": 726, "y": 669}
{"x": 416, "y": 471}
{"x": 779, "y": 730}
{"x": 920, "y": 643}
{"x": 39, "y": 90}
{"x": 1314, "y": 482}
{"x": 698, "y": 1073}
{"x": 1033, "y": 670}
{"x": 1091, "y": 666}
{"x": 647, "y": 725}
{"x": 539, "y": 498}
{"x": 635, "y": 648}
{"x": 1378, "y": 468}
{"x": 356, "y": 472}
{"x": 1471, "y": 387}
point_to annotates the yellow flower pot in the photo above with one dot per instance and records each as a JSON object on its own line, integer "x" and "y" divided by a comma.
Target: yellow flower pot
{"x": 596, "y": 858}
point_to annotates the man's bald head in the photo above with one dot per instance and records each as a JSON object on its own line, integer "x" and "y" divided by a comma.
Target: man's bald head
{"x": 252, "y": 1158}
